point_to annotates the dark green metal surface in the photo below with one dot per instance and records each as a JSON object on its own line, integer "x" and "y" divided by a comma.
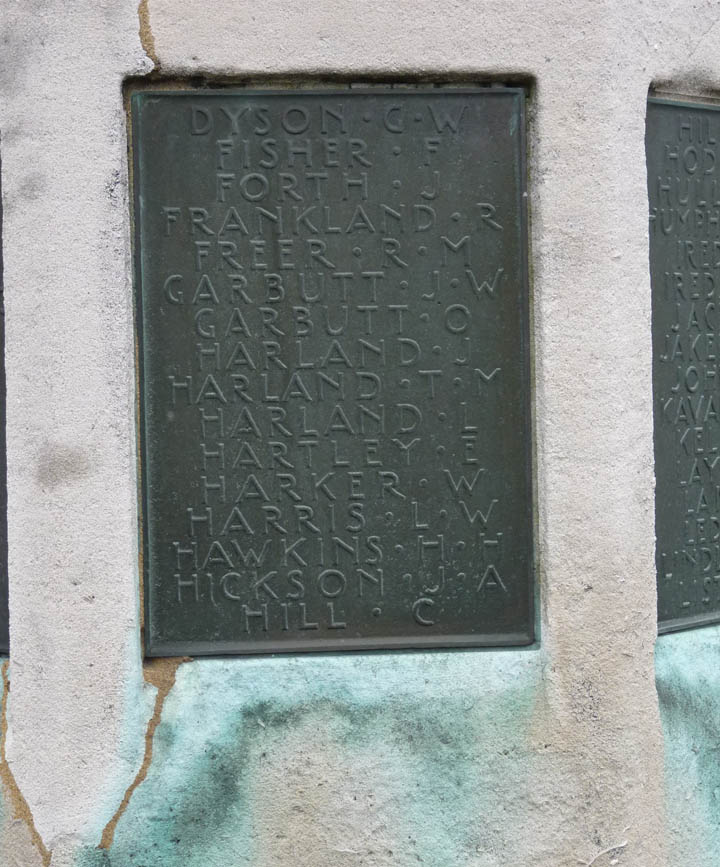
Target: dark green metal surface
{"x": 334, "y": 366}
{"x": 684, "y": 196}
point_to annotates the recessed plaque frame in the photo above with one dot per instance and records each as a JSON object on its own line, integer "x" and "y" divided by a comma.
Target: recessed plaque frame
{"x": 334, "y": 374}
{"x": 684, "y": 208}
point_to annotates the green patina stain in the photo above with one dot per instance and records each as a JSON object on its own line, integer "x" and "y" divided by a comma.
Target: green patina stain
{"x": 687, "y": 671}
{"x": 398, "y": 759}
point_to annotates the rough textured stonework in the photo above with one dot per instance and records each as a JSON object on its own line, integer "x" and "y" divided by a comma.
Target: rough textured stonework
{"x": 545, "y": 758}
{"x": 18, "y": 839}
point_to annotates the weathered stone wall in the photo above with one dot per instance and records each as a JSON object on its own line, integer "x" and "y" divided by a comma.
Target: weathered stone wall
{"x": 545, "y": 758}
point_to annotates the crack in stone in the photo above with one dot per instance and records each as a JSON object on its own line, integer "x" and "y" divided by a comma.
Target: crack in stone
{"x": 20, "y": 807}
{"x": 161, "y": 674}
{"x": 147, "y": 40}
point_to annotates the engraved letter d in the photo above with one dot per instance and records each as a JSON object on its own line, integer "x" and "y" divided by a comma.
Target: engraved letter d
{"x": 200, "y": 120}
{"x": 410, "y": 417}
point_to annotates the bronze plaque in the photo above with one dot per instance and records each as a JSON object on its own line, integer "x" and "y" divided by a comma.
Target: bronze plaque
{"x": 333, "y": 342}
{"x": 684, "y": 195}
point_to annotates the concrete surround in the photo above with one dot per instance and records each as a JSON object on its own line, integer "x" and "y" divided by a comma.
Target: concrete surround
{"x": 552, "y": 757}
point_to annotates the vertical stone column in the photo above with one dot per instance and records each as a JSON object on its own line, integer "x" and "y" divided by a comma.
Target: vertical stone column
{"x": 77, "y": 712}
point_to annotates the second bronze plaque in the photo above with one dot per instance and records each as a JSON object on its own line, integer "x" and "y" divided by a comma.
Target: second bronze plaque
{"x": 333, "y": 326}
{"x": 682, "y": 162}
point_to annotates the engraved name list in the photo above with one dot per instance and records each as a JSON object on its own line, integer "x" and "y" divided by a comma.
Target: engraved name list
{"x": 683, "y": 156}
{"x": 334, "y": 369}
